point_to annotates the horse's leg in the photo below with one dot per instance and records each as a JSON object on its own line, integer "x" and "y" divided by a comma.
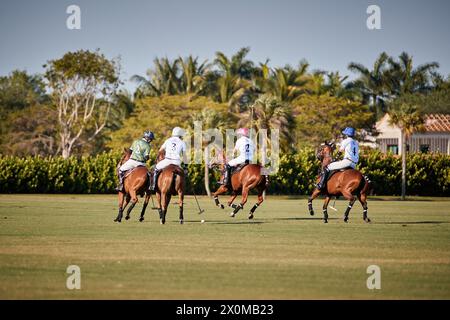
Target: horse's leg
{"x": 314, "y": 195}
{"x": 260, "y": 200}
{"x": 164, "y": 204}
{"x": 134, "y": 200}
{"x": 181, "y": 199}
{"x": 324, "y": 209}
{"x": 363, "y": 199}
{"x": 120, "y": 215}
{"x": 351, "y": 200}
{"x": 230, "y": 201}
{"x": 180, "y": 203}
{"x": 245, "y": 190}
{"x": 158, "y": 201}
{"x": 147, "y": 198}
{"x": 216, "y": 194}
{"x": 127, "y": 201}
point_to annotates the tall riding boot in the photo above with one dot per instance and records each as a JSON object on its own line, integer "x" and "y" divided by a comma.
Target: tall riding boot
{"x": 323, "y": 179}
{"x": 120, "y": 186}
{"x": 226, "y": 176}
{"x": 155, "y": 178}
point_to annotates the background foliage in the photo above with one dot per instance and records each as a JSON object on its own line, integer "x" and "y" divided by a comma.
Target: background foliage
{"x": 427, "y": 174}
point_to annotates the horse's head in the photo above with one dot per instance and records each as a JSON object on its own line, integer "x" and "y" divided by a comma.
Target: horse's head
{"x": 325, "y": 152}
{"x": 218, "y": 161}
{"x": 125, "y": 156}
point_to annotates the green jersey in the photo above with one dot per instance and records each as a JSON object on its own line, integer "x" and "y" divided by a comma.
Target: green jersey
{"x": 140, "y": 150}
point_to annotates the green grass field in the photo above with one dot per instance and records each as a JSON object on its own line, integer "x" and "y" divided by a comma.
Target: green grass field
{"x": 282, "y": 254}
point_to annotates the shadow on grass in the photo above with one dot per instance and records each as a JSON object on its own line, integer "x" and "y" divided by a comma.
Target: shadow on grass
{"x": 305, "y": 219}
{"x": 235, "y": 222}
{"x": 413, "y": 222}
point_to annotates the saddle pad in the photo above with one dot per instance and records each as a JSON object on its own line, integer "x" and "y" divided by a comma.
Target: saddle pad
{"x": 127, "y": 173}
{"x": 238, "y": 168}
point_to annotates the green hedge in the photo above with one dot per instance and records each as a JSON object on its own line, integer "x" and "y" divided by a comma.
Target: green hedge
{"x": 427, "y": 174}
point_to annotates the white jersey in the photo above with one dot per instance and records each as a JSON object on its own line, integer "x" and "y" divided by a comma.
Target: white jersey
{"x": 350, "y": 147}
{"x": 245, "y": 147}
{"x": 174, "y": 148}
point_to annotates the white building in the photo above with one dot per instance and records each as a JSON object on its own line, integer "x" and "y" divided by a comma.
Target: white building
{"x": 435, "y": 138}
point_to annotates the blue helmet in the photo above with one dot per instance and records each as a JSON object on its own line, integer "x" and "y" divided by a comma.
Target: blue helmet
{"x": 149, "y": 136}
{"x": 349, "y": 131}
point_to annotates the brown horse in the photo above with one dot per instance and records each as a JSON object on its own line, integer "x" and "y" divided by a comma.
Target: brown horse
{"x": 248, "y": 178}
{"x": 348, "y": 183}
{"x": 135, "y": 183}
{"x": 170, "y": 183}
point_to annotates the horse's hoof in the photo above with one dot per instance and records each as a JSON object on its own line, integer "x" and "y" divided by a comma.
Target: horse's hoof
{"x": 118, "y": 220}
{"x": 367, "y": 220}
{"x": 232, "y": 214}
{"x": 346, "y": 220}
{"x": 250, "y": 216}
{"x": 311, "y": 213}
{"x": 127, "y": 217}
{"x": 325, "y": 221}
{"x": 222, "y": 206}
{"x": 181, "y": 222}
{"x": 141, "y": 219}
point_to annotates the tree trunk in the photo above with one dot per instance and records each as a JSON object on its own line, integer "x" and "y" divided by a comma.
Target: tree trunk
{"x": 208, "y": 191}
{"x": 403, "y": 138}
{"x": 65, "y": 151}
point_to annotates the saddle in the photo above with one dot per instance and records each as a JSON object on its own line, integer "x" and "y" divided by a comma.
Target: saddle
{"x": 128, "y": 172}
{"x": 238, "y": 168}
{"x": 332, "y": 172}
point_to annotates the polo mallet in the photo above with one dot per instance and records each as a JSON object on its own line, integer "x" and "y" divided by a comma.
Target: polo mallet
{"x": 153, "y": 203}
{"x": 333, "y": 206}
{"x": 200, "y": 210}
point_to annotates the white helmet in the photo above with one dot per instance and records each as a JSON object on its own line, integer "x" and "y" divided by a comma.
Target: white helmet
{"x": 177, "y": 132}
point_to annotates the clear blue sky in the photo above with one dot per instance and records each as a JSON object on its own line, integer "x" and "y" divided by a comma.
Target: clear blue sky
{"x": 328, "y": 33}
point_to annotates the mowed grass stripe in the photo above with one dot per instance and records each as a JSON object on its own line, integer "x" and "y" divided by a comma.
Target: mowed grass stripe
{"x": 283, "y": 254}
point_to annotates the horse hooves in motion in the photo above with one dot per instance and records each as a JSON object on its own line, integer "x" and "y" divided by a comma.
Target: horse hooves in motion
{"x": 136, "y": 183}
{"x": 248, "y": 178}
{"x": 350, "y": 184}
{"x": 170, "y": 183}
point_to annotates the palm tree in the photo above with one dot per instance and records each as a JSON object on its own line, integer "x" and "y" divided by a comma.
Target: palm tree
{"x": 408, "y": 118}
{"x": 163, "y": 79}
{"x": 193, "y": 77}
{"x": 288, "y": 83}
{"x": 211, "y": 119}
{"x": 269, "y": 112}
{"x": 405, "y": 79}
{"x": 235, "y": 75}
{"x": 373, "y": 83}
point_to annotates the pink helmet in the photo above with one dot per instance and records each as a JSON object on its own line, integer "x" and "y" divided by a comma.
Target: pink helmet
{"x": 243, "y": 131}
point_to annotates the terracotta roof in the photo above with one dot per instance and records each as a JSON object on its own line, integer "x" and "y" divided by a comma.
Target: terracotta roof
{"x": 437, "y": 123}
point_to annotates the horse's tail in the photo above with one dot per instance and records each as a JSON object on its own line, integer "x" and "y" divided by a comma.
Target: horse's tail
{"x": 365, "y": 185}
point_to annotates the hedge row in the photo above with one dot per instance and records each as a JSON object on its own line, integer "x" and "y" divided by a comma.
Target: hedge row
{"x": 427, "y": 174}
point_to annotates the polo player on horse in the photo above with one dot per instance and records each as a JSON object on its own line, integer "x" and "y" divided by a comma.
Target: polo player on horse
{"x": 245, "y": 147}
{"x": 175, "y": 151}
{"x": 350, "y": 147}
{"x": 140, "y": 154}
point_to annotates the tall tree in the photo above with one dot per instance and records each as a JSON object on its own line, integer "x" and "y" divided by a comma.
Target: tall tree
{"x": 269, "y": 112}
{"x": 288, "y": 83}
{"x": 409, "y": 119}
{"x": 235, "y": 76}
{"x": 193, "y": 77}
{"x": 405, "y": 79}
{"x": 163, "y": 79}
{"x": 373, "y": 84}
{"x": 210, "y": 119}
{"x": 82, "y": 84}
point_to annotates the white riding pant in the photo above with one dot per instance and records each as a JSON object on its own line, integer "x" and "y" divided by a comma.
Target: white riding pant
{"x": 341, "y": 164}
{"x": 236, "y": 161}
{"x": 131, "y": 164}
{"x": 166, "y": 162}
